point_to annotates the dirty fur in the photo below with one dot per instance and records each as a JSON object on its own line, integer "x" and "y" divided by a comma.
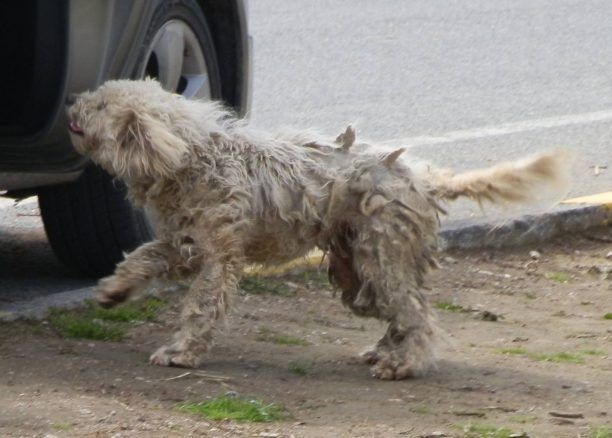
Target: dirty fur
{"x": 225, "y": 196}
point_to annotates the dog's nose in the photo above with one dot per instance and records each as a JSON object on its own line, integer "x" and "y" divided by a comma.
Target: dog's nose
{"x": 71, "y": 98}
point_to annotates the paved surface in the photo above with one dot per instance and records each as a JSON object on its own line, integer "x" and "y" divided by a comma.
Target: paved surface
{"x": 404, "y": 70}
{"x": 464, "y": 83}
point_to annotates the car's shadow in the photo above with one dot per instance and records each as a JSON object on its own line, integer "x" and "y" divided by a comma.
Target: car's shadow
{"x": 28, "y": 267}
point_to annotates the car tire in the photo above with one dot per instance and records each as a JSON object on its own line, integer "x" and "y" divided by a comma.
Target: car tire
{"x": 89, "y": 222}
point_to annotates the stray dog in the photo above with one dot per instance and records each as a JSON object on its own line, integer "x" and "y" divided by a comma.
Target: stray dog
{"x": 225, "y": 196}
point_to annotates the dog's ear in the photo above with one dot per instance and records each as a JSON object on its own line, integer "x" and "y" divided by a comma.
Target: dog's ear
{"x": 148, "y": 146}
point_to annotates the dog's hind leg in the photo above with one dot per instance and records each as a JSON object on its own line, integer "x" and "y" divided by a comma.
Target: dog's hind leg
{"x": 407, "y": 348}
{"x": 390, "y": 256}
{"x": 204, "y": 309}
{"x": 149, "y": 261}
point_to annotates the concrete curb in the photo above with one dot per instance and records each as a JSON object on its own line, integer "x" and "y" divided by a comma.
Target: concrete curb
{"x": 529, "y": 229}
{"x": 525, "y": 230}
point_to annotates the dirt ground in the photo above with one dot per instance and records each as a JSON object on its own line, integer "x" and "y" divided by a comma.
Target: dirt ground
{"x": 549, "y": 351}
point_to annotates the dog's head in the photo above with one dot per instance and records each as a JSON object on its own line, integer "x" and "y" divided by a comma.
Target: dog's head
{"x": 127, "y": 128}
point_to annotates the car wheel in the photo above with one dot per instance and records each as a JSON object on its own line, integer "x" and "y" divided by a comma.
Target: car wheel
{"x": 90, "y": 223}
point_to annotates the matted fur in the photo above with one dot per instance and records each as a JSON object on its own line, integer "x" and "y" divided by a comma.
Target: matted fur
{"x": 225, "y": 195}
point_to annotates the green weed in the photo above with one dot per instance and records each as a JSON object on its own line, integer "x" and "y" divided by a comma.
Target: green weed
{"x": 450, "y": 307}
{"x": 73, "y": 325}
{"x": 256, "y": 285}
{"x": 145, "y": 310}
{"x": 266, "y": 334}
{"x": 229, "y": 408}
{"x": 61, "y": 427}
{"x": 287, "y": 340}
{"x": 593, "y": 352}
{"x": 300, "y": 368}
{"x": 94, "y": 322}
{"x": 522, "y": 418}
{"x": 561, "y": 357}
{"x": 601, "y": 432}
{"x": 518, "y": 351}
{"x": 481, "y": 430}
{"x": 420, "y": 409}
{"x": 317, "y": 277}
{"x": 559, "y": 277}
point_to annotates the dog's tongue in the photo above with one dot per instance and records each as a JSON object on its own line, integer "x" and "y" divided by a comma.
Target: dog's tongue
{"x": 74, "y": 127}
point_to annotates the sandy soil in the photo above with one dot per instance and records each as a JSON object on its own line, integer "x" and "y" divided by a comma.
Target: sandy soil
{"x": 50, "y": 386}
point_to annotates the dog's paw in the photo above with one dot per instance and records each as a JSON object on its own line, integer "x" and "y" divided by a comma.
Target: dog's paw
{"x": 369, "y": 357}
{"x": 112, "y": 291}
{"x": 386, "y": 370}
{"x": 167, "y": 357}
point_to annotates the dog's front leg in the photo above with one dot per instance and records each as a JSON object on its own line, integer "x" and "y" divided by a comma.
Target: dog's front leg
{"x": 149, "y": 261}
{"x": 204, "y": 309}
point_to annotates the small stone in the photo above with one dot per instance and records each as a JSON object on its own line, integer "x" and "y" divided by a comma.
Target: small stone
{"x": 609, "y": 255}
{"x": 535, "y": 255}
{"x": 488, "y": 316}
{"x": 450, "y": 260}
{"x": 604, "y": 271}
{"x": 561, "y": 421}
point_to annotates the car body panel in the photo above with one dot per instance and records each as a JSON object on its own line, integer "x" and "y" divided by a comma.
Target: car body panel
{"x": 105, "y": 38}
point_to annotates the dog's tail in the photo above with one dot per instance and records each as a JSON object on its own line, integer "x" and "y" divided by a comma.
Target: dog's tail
{"x": 517, "y": 181}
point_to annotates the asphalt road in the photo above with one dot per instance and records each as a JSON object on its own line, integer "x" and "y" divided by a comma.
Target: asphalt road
{"x": 463, "y": 83}
{"x": 404, "y": 70}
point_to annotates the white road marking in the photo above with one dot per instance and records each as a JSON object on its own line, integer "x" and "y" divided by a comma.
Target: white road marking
{"x": 503, "y": 129}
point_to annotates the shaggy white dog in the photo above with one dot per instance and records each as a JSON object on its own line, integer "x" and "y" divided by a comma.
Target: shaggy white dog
{"x": 225, "y": 195}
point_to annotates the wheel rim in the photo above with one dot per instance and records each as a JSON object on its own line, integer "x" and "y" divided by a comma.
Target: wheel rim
{"x": 176, "y": 59}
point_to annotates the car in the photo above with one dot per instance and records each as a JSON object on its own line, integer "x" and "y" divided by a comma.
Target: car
{"x": 197, "y": 48}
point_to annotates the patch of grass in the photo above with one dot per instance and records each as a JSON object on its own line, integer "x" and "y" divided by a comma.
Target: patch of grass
{"x": 481, "y": 430}
{"x": 288, "y": 340}
{"x": 450, "y": 307}
{"x": 61, "y": 427}
{"x": 559, "y": 277}
{"x": 229, "y": 408}
{"x": 514, "y": 351}
{"x": 256, "y": 285}
{"x": 300, "y": 368}
{"x": 608, "y": 316}
{"x": 420, "y": 409}
{"x": 266, "y": 334}
{"x": 145, "y": 310}
{"x": 561, "y": 357}
{"x": 96, "y": 323}
{"x": 593, "y": 352}
{"x": 264, "y": 330}
{"x": 522, "y": 418}
{"x": 73, "y": 325}
{"x": 601, "y": 432}
{"x": 317, "y": 277}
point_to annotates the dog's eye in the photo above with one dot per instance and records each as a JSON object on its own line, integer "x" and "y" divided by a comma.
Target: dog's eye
{"x": 101, "y": 106}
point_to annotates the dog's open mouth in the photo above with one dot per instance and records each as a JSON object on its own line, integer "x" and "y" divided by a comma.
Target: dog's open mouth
{"x": 75, "y": 129}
